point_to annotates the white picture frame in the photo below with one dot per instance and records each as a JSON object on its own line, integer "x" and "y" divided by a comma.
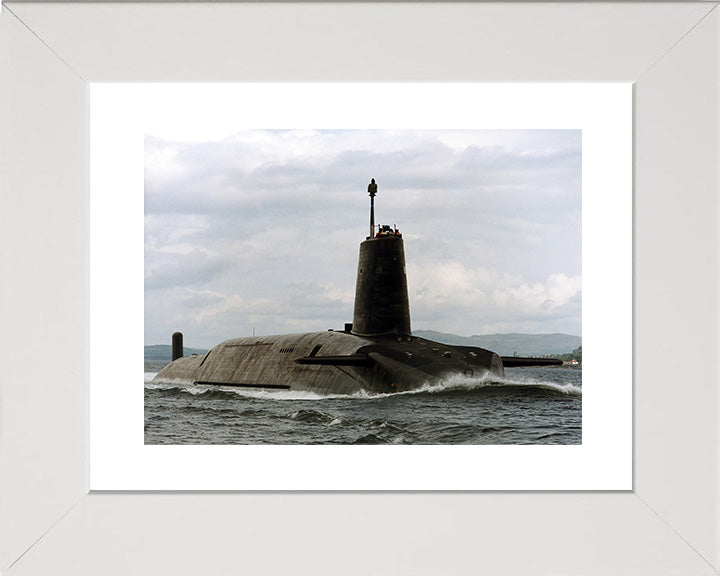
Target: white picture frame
{"x": 122, "y": 114}
{"x": 668, "y": 523}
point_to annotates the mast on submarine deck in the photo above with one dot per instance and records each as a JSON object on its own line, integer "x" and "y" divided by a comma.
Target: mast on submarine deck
{"x": 372, "y": 190}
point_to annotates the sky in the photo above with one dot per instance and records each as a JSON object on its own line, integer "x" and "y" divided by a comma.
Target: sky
{"x": 259, "y": 231}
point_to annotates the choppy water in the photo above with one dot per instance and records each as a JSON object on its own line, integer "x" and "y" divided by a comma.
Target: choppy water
{"x": 529, "y": 406}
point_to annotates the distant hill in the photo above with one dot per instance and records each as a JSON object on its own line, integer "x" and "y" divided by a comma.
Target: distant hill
{"x": 508, "y": 344}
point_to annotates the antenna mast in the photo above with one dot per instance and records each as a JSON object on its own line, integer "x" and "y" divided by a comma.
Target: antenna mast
{"x": 372, "y": 190}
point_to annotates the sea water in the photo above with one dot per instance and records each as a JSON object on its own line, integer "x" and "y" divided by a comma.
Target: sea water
{"x": 530, "y": 405}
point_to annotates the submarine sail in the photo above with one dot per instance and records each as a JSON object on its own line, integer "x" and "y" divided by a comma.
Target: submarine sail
{"x": 382, "y": 306}
{"x": 376, "y": 353}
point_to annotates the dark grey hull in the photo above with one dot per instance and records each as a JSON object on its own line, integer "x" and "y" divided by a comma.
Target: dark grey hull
{"x": 330, "y": 363}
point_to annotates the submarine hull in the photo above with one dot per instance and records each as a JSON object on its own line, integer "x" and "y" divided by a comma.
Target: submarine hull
{"x": 330, "y": 363}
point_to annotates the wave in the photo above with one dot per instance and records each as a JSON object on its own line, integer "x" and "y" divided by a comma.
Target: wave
{"x": 183, "y": 386}
{"x": 462, "y": 383}
{"x": 315, "y": 417}
{"x": 452, "y": 384}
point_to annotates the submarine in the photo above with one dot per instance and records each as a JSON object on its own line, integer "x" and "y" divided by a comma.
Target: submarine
{"x": 376, "y": 353}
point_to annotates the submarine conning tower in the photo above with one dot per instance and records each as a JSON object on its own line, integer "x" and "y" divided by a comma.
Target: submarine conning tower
{"x": 381, "y": 296}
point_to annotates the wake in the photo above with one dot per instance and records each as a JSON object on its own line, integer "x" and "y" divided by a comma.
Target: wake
{"x": 452, "y": 384}
{"x": 462, "y": 383}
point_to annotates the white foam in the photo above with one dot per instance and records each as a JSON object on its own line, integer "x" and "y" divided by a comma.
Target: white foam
{"x": 468, "y": 383}
{"x": 450, "y": 383}
{"x": 462, "y": 382}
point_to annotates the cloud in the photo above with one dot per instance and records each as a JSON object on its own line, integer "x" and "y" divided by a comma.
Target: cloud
{"x": 478, "y": 300}
{"x": 260, "y": 230}
{"x": 167, "y": 270}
